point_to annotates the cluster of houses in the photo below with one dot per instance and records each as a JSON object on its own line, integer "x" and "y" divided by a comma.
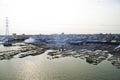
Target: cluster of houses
{"x": 64, "y": 38}
{"x": 75, "y": 39}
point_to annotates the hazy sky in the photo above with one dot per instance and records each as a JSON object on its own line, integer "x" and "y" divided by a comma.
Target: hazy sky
{"x": 56, "y": 16}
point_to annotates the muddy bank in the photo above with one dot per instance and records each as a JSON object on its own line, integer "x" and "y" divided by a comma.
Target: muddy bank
{"x": 91, "y": 57}
{"x": 91, "y": 53}
{"x": 24, "y": 51}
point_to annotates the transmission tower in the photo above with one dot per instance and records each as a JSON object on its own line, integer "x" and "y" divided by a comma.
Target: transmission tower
{"x": 7, "y": 28}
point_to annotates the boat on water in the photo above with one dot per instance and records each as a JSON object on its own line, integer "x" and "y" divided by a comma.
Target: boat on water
{"x": 7, "y": 44}
{"x": 7, "y": 41}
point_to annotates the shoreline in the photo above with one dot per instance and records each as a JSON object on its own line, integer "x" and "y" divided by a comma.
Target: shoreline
{"x": 92, "y": 54}
{"x": 25, "y": 50}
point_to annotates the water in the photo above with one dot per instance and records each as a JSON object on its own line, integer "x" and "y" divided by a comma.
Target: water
{"x": 2, "y": 48}
{"x": 65, "y": 68}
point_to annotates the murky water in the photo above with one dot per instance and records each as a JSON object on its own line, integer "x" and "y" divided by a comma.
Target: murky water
{"x": 65, "y": 68}
{"x": 2, "y": 48}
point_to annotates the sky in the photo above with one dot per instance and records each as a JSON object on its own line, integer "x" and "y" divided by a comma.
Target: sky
{"x": 57, "y": 16}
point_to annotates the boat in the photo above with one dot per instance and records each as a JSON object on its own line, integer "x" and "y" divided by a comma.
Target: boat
{"x": 7, "y": 44}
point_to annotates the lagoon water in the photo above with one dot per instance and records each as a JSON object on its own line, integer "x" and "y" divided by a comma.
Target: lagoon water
{"x": 65, "y": 68}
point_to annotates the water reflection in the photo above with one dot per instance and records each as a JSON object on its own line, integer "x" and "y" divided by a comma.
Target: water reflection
{"x": 28, "y": 71}
{"x": 68, "y": 65}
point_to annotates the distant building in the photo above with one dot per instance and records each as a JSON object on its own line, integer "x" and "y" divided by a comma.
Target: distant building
{"x": 14, "y": 35}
